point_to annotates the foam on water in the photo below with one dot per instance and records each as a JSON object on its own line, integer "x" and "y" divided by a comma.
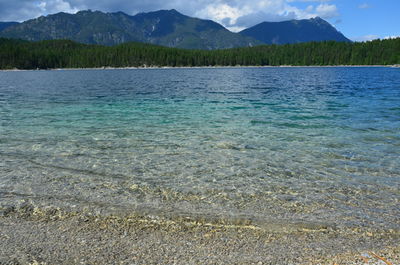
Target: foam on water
{"x": 311, "y": 145}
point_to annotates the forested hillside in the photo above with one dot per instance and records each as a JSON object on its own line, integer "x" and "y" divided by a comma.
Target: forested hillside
{"x": 164, "y": 27}
{"x": 69, "y": 54}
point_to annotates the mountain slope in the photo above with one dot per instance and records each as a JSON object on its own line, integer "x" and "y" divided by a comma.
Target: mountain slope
{"x": 294, "y": 31}
{"x": 164, "y": 27}
{"x": 4, "y": 25}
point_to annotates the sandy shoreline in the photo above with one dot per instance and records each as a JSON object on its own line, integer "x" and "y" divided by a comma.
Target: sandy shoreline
{"x": 200, "y": 67}
{"x": 53, "y": 237}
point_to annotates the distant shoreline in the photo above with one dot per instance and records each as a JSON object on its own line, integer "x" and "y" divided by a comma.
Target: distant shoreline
{"x": 67, "y": 54}
{"x": 201, "y": 67}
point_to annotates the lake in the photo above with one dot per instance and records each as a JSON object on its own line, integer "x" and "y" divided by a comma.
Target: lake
{"x": 265, "y": 146}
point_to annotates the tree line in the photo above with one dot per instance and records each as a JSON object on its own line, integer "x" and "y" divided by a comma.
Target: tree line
{"x": 68, "y": 54}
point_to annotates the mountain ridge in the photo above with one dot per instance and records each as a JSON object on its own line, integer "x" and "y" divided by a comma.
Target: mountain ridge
{"x": 4, "y": 25}
{"x": 166, "y": 28}
{"x": 163, "y": 27}
{"x": 294, "y": 31}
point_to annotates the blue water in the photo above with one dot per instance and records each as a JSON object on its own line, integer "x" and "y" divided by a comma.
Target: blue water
{"x": 267, "y": 145}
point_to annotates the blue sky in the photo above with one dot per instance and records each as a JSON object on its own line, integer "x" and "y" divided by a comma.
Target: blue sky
{"x": 356, "y": 19}
{"x": 368, "y": 19}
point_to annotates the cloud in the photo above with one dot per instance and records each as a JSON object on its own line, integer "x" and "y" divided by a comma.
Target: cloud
{"x": 25, "y": 9}
{"x": 364, "y": 6}
{"x": 391, "y": 37}
{"x": 320, "y": 1}
{"x": 366, "y": 38}
{"x": 233, "y": 14}
{"x": 223, "y": 13}
{"x": 327, "y": 11}
{"x": 237, "y": 15}
{"x": 54, "y": 6}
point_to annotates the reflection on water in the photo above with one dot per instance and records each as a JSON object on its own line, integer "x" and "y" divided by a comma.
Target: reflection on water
{"x": 263, "y": 144}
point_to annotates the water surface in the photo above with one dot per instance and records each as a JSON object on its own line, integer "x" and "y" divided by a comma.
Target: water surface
{"x": 269, "y": 145}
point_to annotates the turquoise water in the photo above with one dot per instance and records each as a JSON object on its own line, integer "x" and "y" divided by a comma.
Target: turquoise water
{"x": 267, "y": 145}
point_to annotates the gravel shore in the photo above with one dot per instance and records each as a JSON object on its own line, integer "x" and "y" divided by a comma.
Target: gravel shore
{"x": 39, "y": 237}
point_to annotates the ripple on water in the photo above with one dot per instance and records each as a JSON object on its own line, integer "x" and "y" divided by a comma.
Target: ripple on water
{"x": 262, "y": 146}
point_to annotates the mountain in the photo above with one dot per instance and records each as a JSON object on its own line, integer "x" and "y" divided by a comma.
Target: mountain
{"x": 294, "y": 31}
{"x": 4, "y": 25}
{"x": 165, "y": 27}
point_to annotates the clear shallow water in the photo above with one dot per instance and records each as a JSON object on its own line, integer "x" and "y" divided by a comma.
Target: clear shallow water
{"x": 313, "y": 145}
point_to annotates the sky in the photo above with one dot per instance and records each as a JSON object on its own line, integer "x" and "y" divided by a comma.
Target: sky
{"x": 359, "y": 20}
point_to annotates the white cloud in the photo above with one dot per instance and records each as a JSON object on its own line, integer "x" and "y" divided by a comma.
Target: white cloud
{"x": 364, "y": 6}
{"x": 391, "y": 37}
{"x": 223, "y": 13}
{"x": 366, "y": 37}
{"x": 55, "y": 6}
{"x": 327, "y": 11}
{"x": 309, "y": 9}
{"x": 22, "y": 10}
{"x": 320, "y": 1}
